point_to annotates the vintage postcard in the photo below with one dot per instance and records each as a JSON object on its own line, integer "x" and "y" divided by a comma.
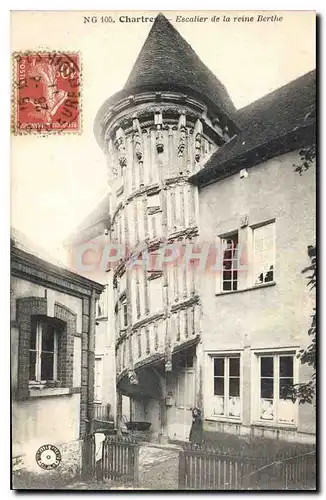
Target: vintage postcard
{"x": 163, "y": 250}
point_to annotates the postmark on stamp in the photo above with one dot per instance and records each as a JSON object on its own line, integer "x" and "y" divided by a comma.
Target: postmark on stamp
{"x": 46, "y": 92}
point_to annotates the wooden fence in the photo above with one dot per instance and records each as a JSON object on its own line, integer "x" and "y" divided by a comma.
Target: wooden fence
{"x": 229, "y": 469}
{"x": 119, "y": 462}
{"x": 88, "y": 457}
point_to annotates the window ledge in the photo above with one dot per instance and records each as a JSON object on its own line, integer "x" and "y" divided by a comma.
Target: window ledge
{"x": 37, "y": 392}
{"x": 275, "y": 425}
{"x": 256, "y": 287}
{"x": 224, "y": 420}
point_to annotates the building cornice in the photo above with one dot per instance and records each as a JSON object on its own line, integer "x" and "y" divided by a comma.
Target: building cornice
{"x": 286, "y": 143}
{"x": 32, "y": 268}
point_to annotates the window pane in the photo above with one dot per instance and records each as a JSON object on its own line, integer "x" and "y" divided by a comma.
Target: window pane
{"x": 286, "y": 385}
{"x": 234, "y": 367}
{"x": 227, "y": 285}
{"x": 47, "y": 366}
{"x": 219, "y": 386}
{"x": 266, "y": 366}
{"x": 219, "y": 367}
{"x": 32, "y": 363}
{"x": 218, "y": 406}
{"x": 234, "y": 387}
{"x": 32, "y": 342}
{"x": 286, "y": 366}
{"x": 227, "y": 275}
{"x": 266, "y": 388}
{"x": 269, "y": 275}
{"x": 234, "y": 407}
{"x": 266, "y": 409}
{"x": 47, "y": 338}
{"x": 264, "y": 254}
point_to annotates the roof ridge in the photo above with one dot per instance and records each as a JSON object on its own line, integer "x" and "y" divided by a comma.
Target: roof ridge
{"x": 278, "y": 89}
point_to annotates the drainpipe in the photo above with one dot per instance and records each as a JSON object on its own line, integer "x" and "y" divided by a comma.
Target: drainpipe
{"x": 91, "y": 364}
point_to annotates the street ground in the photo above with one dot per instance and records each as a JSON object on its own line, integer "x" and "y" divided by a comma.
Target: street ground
{"x": 158, "y": 470}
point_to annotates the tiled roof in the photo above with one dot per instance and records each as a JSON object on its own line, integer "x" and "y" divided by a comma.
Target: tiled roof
{"x": 22, "y": 248}
{"x": 286, "y": 110}
{"x": 168, "y": 62}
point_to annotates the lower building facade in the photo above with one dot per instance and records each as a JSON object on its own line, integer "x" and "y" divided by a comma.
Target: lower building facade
{"x": 257, "y": 307}
{"x": 52, "y": 361}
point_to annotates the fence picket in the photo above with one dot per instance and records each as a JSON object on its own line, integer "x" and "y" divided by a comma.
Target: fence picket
{"x": 226, "y": 468}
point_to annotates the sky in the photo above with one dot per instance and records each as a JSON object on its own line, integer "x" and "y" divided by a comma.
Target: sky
{"x": 57, "y": 180}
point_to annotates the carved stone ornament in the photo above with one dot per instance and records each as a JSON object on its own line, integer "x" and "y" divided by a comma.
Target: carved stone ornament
{"x": 158, "y": 121}
{"x": 197, "y": 147}
{"x": 137, "y": 139}
{"x": 159, "y": 139}
{"x": 132, "y": 377}
{"x": 244, "y": 220}
{"x": 120, "y": 144}
{"x": 182, "y": 142}
{"x": 168, "y": 366}
{"x": 198, "y": 131}
{"x": 182, "y": 134}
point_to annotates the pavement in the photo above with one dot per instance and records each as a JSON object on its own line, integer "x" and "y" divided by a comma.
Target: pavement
{"x": 150, "y": 456}
{"x": 158, "y": 469}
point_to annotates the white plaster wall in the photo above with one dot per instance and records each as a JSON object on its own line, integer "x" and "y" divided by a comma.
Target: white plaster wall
{"x": 44, "y": 420}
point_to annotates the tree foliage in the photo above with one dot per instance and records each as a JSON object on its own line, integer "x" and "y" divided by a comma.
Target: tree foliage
{"x": 305, "y": 392}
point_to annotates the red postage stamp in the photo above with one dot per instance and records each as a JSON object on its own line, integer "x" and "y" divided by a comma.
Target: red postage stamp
{"x": 47, "y": 95}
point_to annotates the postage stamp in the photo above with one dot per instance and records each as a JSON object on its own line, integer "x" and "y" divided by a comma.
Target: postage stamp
{"x": 46, "y": 92}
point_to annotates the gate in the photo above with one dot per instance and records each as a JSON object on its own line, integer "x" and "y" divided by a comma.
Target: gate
{"x": 119, "y": 460}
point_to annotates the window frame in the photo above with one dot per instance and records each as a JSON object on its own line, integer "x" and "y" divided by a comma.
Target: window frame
{"x": 225, "y": 355}
{"x": 256, "y": 392}
{"x": 254, "y": 274}
{"x": 39, "y": 324}
{"x": 222, "y": 239}
{"x": 98, "y": 358}
{"x": 105, "y": 304}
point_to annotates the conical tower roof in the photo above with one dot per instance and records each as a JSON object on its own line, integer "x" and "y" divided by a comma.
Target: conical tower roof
{"x": 167, "y": 62}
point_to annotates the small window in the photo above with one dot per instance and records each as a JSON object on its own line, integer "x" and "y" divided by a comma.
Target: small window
{"x": 275, "y": 388}
{"x": 43, "y": 352}
{"x": 264, "y": 254}
{"x": 124, "y": 314}
{"x": 186, "y": 359}
{"x": 101, "y": 304}
{"x": 230, "y": 263}
{"x": 98, "y": 380}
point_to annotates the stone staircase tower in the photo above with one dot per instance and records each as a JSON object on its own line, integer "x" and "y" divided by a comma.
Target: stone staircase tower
{"x": 160, "y": 129}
